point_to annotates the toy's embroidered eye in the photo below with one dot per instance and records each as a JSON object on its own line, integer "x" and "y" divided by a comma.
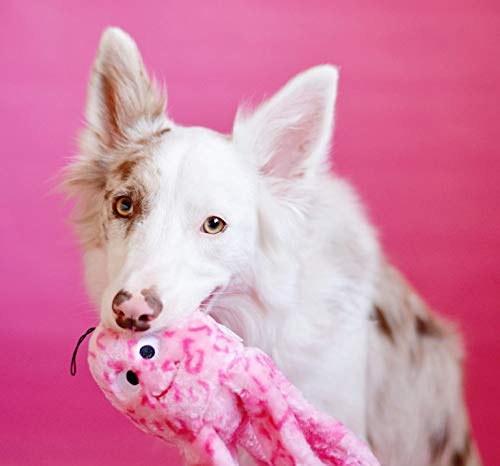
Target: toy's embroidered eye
{"x": 214, "y": 225}
{"x": 148, "y": 347}
{"x": 147, "y": 351}
{"x": 132, "y": 378}
{"x": 123, "y": 206}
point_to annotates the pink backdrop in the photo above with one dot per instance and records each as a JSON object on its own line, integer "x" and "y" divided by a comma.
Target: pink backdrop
{"x": 417, "y": 132}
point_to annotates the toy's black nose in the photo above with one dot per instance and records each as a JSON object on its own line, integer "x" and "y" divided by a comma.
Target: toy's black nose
{"x": 132, "y": 378}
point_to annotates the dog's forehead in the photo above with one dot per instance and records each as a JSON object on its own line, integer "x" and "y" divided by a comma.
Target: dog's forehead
{"x": 189, "y": 153}
{"x": 196, "y": 157}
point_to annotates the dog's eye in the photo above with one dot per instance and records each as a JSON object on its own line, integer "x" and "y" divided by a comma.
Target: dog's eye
{"x": 214, "y": 225}
{"x": 123, "y": 206}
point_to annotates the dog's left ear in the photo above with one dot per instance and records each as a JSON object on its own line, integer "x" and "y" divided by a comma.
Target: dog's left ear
{"x": 290, "y": 133}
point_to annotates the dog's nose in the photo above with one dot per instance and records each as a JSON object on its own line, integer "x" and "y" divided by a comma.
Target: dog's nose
{"x": 136, "y": 312}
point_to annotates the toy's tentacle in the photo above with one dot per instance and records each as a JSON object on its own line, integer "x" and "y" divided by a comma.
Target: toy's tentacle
{"x": 277, "y": 430}
{"x": 279, "y": 440}
{"x": 208, "y": 449}
{"x": 332, "y": 442}
{"x": 290, "y": 430}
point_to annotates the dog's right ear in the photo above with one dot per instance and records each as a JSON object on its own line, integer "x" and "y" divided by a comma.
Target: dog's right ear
{"x": 123, "y": 102}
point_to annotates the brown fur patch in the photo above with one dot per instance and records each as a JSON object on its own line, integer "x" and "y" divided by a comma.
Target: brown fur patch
{"x": 139, "y": 208}
{"x": 125, "y": 168}
{"x": 164, "y": 131}
{"x": 104, "y": 227}
{"x": 383, "y": 324}
{"x": 370, "y": 441}
{"x": 460, "y": 458}
{"x": 109, "y": 96}
{"x": 438, "y": 442}
{"x": 427, "y": 327}
{"x": 155, "y": 136}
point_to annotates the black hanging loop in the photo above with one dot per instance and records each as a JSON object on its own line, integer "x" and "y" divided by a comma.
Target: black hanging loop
{"x": 80, "y": 341}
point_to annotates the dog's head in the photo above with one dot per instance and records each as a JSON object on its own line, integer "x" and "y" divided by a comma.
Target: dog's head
{"x": 170, "y": 216}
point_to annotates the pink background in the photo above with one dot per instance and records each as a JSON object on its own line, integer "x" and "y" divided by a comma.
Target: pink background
{"x": 417, "y": 132}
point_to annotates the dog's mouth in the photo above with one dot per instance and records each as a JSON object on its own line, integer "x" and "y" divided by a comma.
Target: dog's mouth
{"x": 205, "y": 305}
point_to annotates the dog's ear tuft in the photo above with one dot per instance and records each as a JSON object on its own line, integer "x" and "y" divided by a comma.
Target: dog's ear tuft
{"x": 290, "y": 133}
{"x": 122, "y": 98}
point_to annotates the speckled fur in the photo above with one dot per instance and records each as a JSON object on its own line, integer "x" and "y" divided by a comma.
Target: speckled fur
{"x": 299, "y": 266}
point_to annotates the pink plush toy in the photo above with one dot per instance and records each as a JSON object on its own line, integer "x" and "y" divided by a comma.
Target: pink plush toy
{"x": 195, "y": 385}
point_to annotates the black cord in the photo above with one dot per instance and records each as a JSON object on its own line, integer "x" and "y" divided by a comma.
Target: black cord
{"x": 80, "y": 341}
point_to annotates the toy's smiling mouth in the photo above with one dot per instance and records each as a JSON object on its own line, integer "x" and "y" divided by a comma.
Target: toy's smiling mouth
{"x": 165, "y": 391}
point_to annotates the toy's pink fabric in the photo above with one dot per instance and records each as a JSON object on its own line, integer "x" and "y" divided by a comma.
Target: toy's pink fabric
{"x": 207, "y": 393}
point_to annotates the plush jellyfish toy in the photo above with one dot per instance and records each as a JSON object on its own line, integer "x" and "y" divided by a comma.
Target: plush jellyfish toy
{"x": 198, "y": 387}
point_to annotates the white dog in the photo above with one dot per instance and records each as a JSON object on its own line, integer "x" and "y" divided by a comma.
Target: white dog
{"x": 254, "y": 228}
